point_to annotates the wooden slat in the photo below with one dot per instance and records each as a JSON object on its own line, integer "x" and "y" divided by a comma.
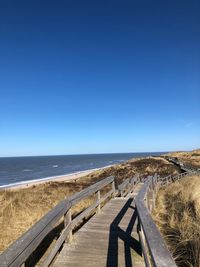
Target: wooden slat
{"x": 90, "y": 190}
{"x": 144, "y": 250}
{"x": 107, "y": 239}
{"x": 21, "y": 249}
{"x": 160, "y": 255}
{"x": 66, "y": 231}
{"x": 57, "y": 246}
{"x": 106, "y": 196}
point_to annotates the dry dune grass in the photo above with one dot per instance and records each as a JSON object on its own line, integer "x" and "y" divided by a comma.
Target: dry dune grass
{"x": 21, "y": 208}
{"x": 144, "y": 166}
{"x": 177, "y": 214}
{"x": 190, "y": 158}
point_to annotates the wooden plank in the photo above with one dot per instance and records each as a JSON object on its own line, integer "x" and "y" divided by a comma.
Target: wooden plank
{"x": 123, "y": 187}
{"x": 106, "y": 196}
{"x": 100, "y": 236}
{"x": 22, "y": 248}
{"x": 70, "y": 226}
{"x": 57, "y": 246}
{"x": 98, "y": 200}
{"x": 90, "y": 190}
{"x": 84, "y": 214}
{"x": 67, "y": 223}
{"x": 160, "y": 255}
{"x": 144, "y": 249}
{"x": 65, "y": 233}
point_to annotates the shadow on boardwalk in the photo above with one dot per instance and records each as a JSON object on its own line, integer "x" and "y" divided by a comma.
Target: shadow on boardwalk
{"x": 117, "y": 233}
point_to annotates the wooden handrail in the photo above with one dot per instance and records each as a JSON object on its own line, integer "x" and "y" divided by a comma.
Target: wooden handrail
{"x": 150, "y": 237}
{"x": 17, "y": 254}
{"x": 181, "y": 165}
{"x": 152, "y": 243}
{"x": 128, "y": 185}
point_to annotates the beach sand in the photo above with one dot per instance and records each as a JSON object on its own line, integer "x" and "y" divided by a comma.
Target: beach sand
{"x": 60, "y": 178}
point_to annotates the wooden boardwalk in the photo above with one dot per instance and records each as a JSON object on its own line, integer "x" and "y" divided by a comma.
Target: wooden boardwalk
{"x": 108, "y": 239}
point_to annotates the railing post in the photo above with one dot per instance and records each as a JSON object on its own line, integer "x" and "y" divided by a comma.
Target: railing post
{"x": 154, "y": 197}
{"x": 150, "y": 198}
{"x": 98, "y": 199}
{"x": 143, "y": 243}
{"x": 113, "y": 188}
{"x": 146, "y": 201}
{"x": 67, "y": 222}
{"x": 147, "y": 198}
{"x": 121, "y": 192}
{"x": 151, "y": 204}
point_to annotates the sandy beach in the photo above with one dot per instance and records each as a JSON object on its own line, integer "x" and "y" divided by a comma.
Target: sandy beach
{"x": 59, "y": 178}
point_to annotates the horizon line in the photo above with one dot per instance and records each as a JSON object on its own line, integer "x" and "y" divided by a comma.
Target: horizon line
{"x": 102, "y": 153}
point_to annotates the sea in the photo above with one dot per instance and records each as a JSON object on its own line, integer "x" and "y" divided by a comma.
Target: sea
{"x": 18, "y": 170}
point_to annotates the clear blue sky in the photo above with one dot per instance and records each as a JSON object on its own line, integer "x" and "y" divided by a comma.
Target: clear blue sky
{"x": 99, "y": 76}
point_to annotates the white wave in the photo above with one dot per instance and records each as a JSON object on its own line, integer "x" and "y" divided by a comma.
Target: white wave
{"x": 43, "y": 179}
{"x": 27, "y": 182}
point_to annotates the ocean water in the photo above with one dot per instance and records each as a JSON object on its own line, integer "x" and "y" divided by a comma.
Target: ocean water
{"x": 14, "y": 170}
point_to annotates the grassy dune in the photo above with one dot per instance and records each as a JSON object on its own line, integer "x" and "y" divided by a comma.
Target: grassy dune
{"x": 20, "y": 209}
{"x": 190, "y": 158}
{"x": 177, "y": 214}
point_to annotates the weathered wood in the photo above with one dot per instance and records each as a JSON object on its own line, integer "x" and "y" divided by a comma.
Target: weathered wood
{"x": 158, "y": 251}
{"x": 22, "y": 248}
{"x": 135, "y": 180}
{"x": 113, "y": 188}
{"x": 84, "y": 214}
{"x": 99, "y": 203}
{"x": 107, "y": 239}
{"x": 67, "y": 223}
{"x": 107, "y": 195}
{"x": 57, "y": 246}
{"x": 124, "y": 187}
{"x": 66, "y": 234}
{"x": 144, "y": 248}
{"x": 77, "y": 197}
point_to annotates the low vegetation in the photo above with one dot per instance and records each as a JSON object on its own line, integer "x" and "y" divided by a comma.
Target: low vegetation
{"x": 21, "y": 208}
{"x": 177, "y": 214}
{"x": 191, "y": 158}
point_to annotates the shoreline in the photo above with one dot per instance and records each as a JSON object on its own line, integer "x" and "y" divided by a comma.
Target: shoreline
{"x": 58, "y": 178}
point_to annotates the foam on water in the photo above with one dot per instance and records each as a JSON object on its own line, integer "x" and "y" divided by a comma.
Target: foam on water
{"x": 23, "y": 170}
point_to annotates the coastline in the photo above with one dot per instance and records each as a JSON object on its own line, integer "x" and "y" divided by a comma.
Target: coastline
{"x": 58, "y": 178}
{"x": 23, "y": 180}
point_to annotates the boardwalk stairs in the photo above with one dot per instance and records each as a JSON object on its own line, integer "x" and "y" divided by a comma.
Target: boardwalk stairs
{"x": 116, "y": 230}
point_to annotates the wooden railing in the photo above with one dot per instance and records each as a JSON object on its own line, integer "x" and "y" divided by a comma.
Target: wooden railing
{"x": 153, "y": 246}
{"x": 172, "y": 178}
{"x": 128, "y": 185}
{"x": 18, "y": 253}
{"x": 184, "y": 167}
